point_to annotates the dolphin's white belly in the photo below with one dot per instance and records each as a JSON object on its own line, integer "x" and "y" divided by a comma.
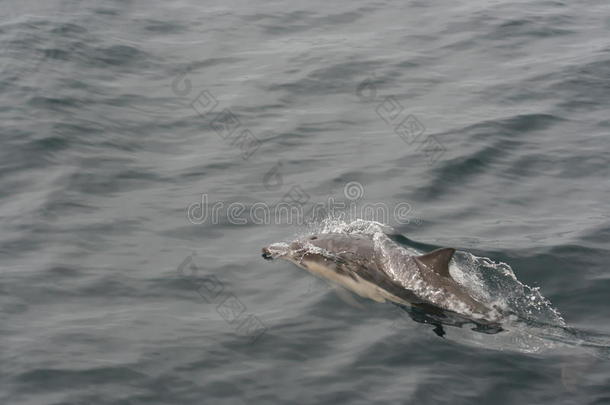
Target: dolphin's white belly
{"x": 360, "y": 286}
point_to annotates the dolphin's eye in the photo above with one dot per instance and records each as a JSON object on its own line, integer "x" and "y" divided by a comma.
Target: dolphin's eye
{"x": 313, "y": 238}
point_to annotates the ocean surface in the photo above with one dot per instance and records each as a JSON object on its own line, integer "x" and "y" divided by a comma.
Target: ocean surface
{"x": 150, "y": 149}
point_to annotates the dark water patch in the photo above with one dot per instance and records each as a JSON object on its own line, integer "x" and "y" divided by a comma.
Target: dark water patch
{"x": 582, "y": 301}
{"x": 79, "y": 126}
{"x": 49, "y": 144}
{"x": 106, "y": 11}
{"x": 459, "y": 172}
{"x": 69, "y": 30}
{"x": 203, "y": 64}
{"x": 581, "y": 85}
{"x": 349, "y": 17}
{"x": 601, "y": 233}
{"x": 299, "y": 21}
{"x": 59, "y": 283}
{"x": 520, "y": 124}
{"x": 340, "y": 77}
{"x": 532, "y": 27}
{"x": 63, "y": 272}
{"x": 491, "y": 144}
{"x": 55, "y": 53}
{"x": 163, "y": 27}
{"x": 86, "y": 51}
{"x": 585, "y": 165}
{"x": 119, "y": 55}
{"x": 206, "y": 169}
{"x": 57, "y": 104}
{"x": 90, "y": 182}
{"x": 515, "y": 92}
{"x": 54, "y": 379}
{"x": 292, "y": 138}
{"x": 20, "y": 246}
{"x": 530, "y": 165}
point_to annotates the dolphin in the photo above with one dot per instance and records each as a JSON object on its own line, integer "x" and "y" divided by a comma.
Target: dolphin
{"x": 421, "y": 285}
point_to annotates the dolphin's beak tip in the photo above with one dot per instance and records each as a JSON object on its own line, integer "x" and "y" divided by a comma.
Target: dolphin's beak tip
{"x": 267, "y": 254}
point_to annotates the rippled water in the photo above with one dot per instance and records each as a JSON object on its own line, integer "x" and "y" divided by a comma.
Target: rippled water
{"x": 486, "y": 122}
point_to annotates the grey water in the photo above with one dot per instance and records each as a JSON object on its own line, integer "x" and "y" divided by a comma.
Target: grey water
{"x": 148, "y": 147}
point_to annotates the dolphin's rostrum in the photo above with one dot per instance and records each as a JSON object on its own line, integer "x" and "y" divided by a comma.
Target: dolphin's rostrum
{"x": 422, "y": 285}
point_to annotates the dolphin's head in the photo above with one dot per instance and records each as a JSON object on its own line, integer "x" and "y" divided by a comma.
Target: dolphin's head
{"x": 319, "y": 248}
{"x": 290, "y": 251}
{"x": 276, "y": 250}
{"x": 340, "y": 258}
{"x": 314, "y": 253}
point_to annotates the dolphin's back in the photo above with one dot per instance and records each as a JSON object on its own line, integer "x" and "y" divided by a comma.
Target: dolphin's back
{"x": 357, "y": 254}
{"x": 394, "y": 270}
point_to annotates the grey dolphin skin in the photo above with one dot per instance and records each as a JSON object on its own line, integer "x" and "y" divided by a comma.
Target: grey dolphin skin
{"x": 353, "y": 262}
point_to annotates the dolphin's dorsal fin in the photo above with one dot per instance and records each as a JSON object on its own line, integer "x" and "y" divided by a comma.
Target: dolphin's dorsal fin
{"x": 437, "y": 260}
